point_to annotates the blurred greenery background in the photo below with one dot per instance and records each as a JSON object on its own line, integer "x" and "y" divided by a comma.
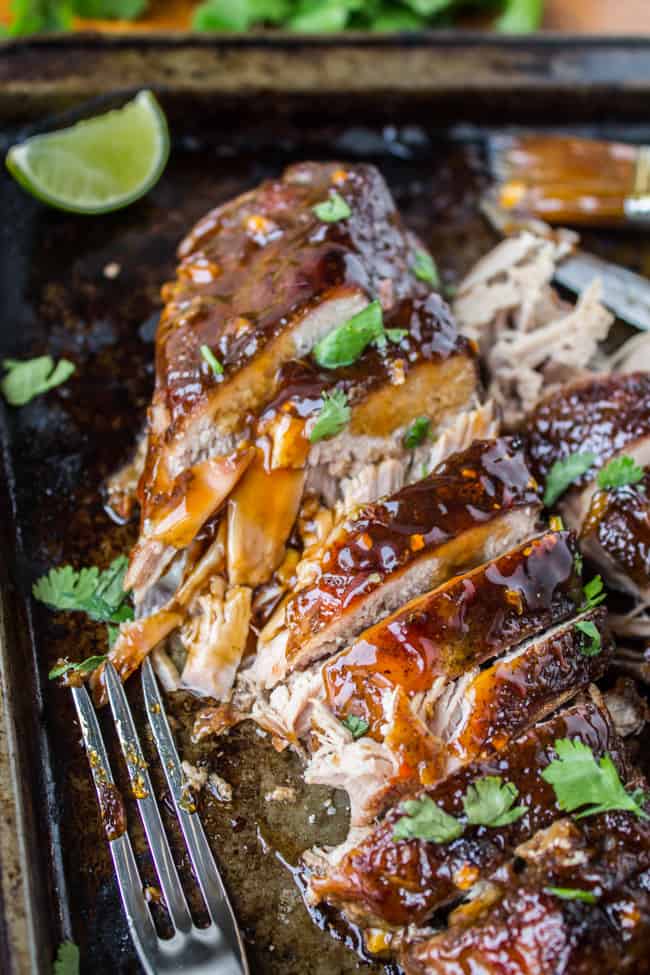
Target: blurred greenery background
{"x": 23, "y": 17}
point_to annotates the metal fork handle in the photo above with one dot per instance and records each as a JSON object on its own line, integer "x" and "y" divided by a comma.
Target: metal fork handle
{"x": 214, "y": 950}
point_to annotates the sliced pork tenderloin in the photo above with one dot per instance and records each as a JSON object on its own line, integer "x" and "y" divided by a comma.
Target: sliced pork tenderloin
{"x": 262, "y": 279}
{"x": 438, "y": 636}
{"x": 392, "y": 883}
{"x": 525, "y": 921}
{"x": 458, "y": 720}
{"x": 478, "y": 503}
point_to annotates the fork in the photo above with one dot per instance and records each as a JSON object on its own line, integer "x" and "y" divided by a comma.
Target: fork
{"x": 217, "y": 948}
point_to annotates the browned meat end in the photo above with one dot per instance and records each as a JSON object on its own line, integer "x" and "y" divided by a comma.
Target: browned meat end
{"x": 520, "y": 925}
{"x": 391, "y": 883}
{"x": 616, "y": 535}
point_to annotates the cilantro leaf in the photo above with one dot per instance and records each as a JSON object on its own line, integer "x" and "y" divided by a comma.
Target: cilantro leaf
{"x": 595, "y": 644}
{"x": 490, "y": 802}
{"x": 618, "y": 473}
{"x": 594, "y": 592}
{"x": 355, "y": 725}
{"x": 67, "y": 959}
{"x": 424, "y": 820}
{"x": 31, "y": 377}
{"x": 332, "y": 209}
{"x": 424, "y": 268}
{"x": 418, "y": 431}
{"x": 581, "y": 782}
{"x": 396, "y": 334}
{"x": 345, "y": 344}
{"x": 83, "y": 667}
{"x": 208, "y": 356}
{"x": 64, "y": 588}
{"x": 572, "y": 894}
{"x": 564, "y": 472}
{"x": 334, "y": 415}
{"x": 100, "y": 595}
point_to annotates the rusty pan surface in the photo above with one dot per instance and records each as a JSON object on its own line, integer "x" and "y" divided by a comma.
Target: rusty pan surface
{"x": 61, "y": 294}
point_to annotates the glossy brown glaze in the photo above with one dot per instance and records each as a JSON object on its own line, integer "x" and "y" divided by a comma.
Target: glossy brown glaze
{"x": 250, "y": 267}
{"x": 519, "y": 689}
{"x": 458, "y": 626}
{"x": 519, "y": 926}
{"x": 470, "y": 489}
{"x": 431, "y": 336}
{"x": 618, "y": 522}
{"x": 604, "y": 415}
{"x": 393, "y": 883}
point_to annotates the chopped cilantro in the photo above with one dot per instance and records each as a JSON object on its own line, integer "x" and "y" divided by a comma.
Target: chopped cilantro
{"x": 208, "y": 356}
{"x": 25, "y": 380}
{"x": 424, "y": 820}
{"x": 418, "y": 431}
{"x": 424, "y": 268}
{"x": 355, "y": 725}
{"x": 572, "y": 894}
{"x": 581, "y": 782}
{"x": 100, "y": 595}
{"x": 83, "y": 667}
{"x": 591, "y": 646}
{"x": 594, "y": 592}
{"x": 332, "y": 209}
{"x": 490, "y": 802}
{"x": 564, "y": 472}
{"x": 618, "y": 473}
{"x": 334, "y": 415}
{"x": 67, "y": 959}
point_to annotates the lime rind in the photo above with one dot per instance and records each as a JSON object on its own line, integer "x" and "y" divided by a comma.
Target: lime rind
{"x": 98, "y": 165}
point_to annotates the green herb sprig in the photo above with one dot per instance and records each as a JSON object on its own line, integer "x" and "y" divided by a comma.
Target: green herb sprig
{"x": 580, "y": 782}
{"x": 25, "y": 379}
{"x": 333, "y": 417}
{"x": 100, "y": 595}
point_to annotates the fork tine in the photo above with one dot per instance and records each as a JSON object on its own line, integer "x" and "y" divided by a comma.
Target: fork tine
{"x": 205, "y": 868}
{"x": 138, "y": 917}
{"x": 161, "y": 855}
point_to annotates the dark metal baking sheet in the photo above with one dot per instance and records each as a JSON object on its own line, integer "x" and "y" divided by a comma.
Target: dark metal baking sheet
{"x": 57, "y": 296}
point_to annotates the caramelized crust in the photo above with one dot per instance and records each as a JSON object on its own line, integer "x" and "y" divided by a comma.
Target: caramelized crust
{"x": 391, "y": 883}
{"x": 518, "y": 925}
{"x": 458, "y": 626}
{"x": 468, "y": 491}
{"x": 616, "y": 534}
{"x": 250, "y": 272}
{"x": 605, "y": 415}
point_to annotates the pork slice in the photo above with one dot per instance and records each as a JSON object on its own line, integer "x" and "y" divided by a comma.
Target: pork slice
{"x": 391, "y": 883}
{"x": 521, "y": 923}
{"x": 476, "y": 505}
{"x": 429, "y": 372}
{"x": 476, "y": 713}
{"x": 523, "y": 686}
{"x": 261, "y": 280}
{"x": 439, "y": 635}
{"x": 606, "y": 415}
{"x": 214, "y": 636}
{"x": 616, "y": 536}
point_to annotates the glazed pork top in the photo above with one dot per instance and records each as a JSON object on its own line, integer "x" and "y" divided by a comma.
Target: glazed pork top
{"x": 261, "y": 280}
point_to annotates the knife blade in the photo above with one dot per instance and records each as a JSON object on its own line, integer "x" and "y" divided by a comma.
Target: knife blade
{"x": 625, "y": 293}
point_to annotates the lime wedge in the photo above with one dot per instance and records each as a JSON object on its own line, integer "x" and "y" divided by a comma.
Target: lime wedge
{"x": 97, "y": 165}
